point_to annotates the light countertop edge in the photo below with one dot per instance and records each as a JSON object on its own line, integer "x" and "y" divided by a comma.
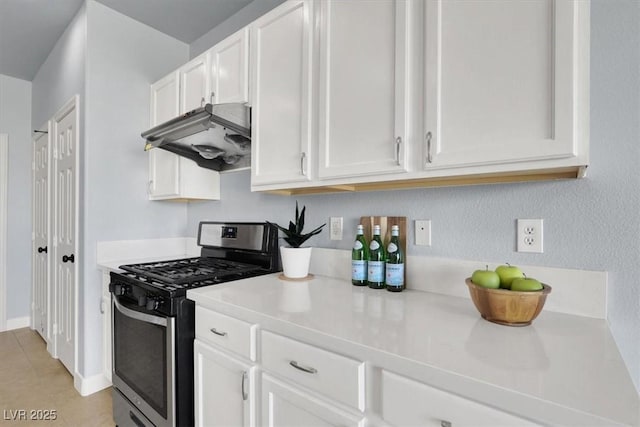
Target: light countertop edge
{"x": 563, "y": 369}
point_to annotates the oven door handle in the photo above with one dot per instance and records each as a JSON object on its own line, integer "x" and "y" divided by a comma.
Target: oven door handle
{"x": 156, "y": 320}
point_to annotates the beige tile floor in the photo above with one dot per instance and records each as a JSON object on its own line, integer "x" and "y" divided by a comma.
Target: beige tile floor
{"x": 31, "y": 380}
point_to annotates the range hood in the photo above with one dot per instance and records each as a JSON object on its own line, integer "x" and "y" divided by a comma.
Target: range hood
{"x": 216, "y": 136}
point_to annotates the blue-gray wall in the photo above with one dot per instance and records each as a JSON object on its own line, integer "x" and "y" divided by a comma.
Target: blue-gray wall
{"x": 15, "y": 120}
{"x": 591, "y": 223}
{"x": 123, "y": 58}
{"x": 112, "y": 72}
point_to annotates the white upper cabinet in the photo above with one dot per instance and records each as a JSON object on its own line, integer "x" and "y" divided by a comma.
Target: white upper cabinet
{"x": 282, "y": 78}
{"x": 363, "y": 123}
{"x": 506, "y": 81}
{"x": 229, "y": 65}
{"x": 194, "y": 83}
{"x": 172, "y": 176}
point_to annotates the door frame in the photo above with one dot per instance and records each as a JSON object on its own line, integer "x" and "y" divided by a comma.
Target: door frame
{"x": 71, "y": 104}
{"x": 4, "y": 181}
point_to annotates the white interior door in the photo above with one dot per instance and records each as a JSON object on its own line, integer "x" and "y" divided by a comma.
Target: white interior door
{"x": 65, "y": 130}
{"x": 40, "y": 226}
{"x": 4, "y": 177}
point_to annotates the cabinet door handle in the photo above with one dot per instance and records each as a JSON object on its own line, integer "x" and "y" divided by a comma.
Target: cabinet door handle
{"x": 303, "y": 157}
{"x": 150, "y": 187}
{"x": 429, "y": 158}
{"x": 307, "y": 369}
{"x": 41, "y": 249}
{"x": 398, "y": 143}
{"x": 245, "y": 396}
{"x": 217, "y": 332}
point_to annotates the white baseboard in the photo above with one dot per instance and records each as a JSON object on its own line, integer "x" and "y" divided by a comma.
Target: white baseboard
{"x": 18, "y": 322}
{"x": 93, "y": 384}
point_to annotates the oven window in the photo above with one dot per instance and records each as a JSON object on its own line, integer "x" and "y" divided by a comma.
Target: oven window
{"x": 140, "y": 359}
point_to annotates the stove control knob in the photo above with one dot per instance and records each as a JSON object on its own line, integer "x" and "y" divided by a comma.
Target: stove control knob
{"x": 152, "y": 303}
{"x": 142, "y": 300}
{"x": 119, "y": 289}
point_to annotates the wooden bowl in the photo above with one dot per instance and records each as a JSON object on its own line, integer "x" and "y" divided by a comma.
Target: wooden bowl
{"x": 512, "y": 308}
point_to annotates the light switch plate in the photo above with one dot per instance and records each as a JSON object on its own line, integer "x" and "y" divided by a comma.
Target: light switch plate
{"x": 423, "y": 232}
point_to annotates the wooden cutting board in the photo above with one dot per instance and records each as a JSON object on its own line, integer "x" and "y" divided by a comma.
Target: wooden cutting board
{"x": 385, "y": 223}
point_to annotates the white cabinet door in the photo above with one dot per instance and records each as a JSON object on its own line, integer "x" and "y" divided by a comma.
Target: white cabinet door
{"x": 172, "y": 176}
{"x": 363, "y": 121}
{"x": 224, "y": 393}
{"x": 282, "y": 75}
{"x": 194, "y": 83}
{"x": 229, "y": 62}
{"x": 42, "y": 248}
{"x": 285, "y": 406}
{"x": 164, "y": 167}
{"x": 500, "y": 81}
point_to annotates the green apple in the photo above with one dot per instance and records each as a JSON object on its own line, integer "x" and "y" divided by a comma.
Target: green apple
{"x": 486, "y": 278}
{"x": 507, "y": 274}
{"x": 526, "y": 284}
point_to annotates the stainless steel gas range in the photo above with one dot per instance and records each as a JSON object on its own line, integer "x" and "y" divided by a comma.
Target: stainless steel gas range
{"x": 153, "y": 321}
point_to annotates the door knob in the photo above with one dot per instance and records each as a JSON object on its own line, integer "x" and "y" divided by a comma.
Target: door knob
{"x": 41, "y": 249}
{"x": 69, "y": 258}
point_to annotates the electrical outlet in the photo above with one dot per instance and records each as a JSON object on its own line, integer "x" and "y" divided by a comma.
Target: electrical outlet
{"x": 530, "y": 236}
{"x": 335, "y": 228}
{"x": 423, "y": 232}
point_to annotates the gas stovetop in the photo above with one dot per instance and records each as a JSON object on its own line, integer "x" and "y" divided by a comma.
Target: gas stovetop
{"x": 191, "y": 271}
{"x": 230, "y": 251}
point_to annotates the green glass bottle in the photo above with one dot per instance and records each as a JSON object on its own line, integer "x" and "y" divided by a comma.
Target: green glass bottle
{"x": 394, "y": 276}
{"x": 377, "y": 259}
{"x": 359, "y": 258}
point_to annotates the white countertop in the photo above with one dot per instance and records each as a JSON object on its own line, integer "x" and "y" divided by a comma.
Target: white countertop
{"x": 561, "y": 369}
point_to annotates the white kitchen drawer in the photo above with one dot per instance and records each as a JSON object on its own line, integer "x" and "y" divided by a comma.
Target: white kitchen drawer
{"x": 226, "y": 332}
{"x": 336, "y": 376}
{"x": 406, "y": 402}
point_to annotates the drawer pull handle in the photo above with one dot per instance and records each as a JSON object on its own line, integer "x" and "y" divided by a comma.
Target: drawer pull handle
{"x": 306, "y": 369}
{"x": 215, "y": 331}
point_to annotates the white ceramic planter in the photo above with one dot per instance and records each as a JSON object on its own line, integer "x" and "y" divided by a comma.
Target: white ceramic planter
{"x": 295, "y": 261}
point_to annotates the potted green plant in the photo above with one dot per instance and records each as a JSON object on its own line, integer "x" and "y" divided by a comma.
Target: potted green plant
{"x": 296, "y": 259}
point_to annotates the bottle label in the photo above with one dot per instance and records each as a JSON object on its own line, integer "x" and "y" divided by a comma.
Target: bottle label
{"x": 395, "y": 275}
{"x": 376, "y": 271}
{"x": 357, "y": 245}
{"x": 374, "y": 245}
{"x": 358, "y": 270}
{"x": 392, "y": 247}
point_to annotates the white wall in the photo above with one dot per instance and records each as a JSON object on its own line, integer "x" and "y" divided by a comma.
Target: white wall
{"x": 123, "y": 58}
{"x": 591, "y": 223}
{"x": 15, "y": 120}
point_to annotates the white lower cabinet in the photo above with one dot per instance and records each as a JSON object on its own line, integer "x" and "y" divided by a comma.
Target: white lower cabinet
{"x": 290, "y": 383}
{"x": 405, "y": 402}
{"x": 284, "y": 405}
{"x": 224, "y": 389}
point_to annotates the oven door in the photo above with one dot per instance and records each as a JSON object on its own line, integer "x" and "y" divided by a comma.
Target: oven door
{"x": 144, "y": 361}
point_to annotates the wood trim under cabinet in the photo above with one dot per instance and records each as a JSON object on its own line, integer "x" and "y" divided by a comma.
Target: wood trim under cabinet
{"x": 477, "y": 179}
